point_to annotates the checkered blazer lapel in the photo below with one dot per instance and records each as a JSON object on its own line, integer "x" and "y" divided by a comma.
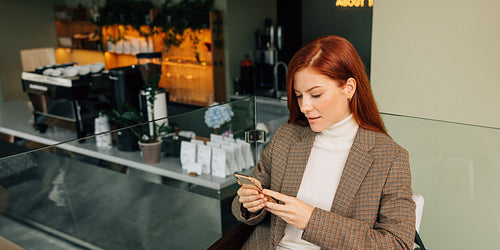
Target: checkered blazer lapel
{"x": 297, "y": 162}
{"x": 295, "y": 167}
{"x": 358, "y": 162}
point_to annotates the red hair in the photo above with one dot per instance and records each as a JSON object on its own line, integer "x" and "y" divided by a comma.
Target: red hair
{"x": 336, "y": 58}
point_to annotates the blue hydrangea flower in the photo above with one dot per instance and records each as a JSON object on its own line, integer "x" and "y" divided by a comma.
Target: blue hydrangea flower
{"x": 217, "y": 115}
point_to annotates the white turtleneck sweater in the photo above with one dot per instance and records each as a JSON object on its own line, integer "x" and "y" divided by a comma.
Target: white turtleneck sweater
{"x": 322, "y": 175}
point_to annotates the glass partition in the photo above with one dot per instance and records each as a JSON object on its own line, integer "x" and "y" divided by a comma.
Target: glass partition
{"x": 456, "y": 167}
{"x": 92, "y": 195}
{"x": 270, "y": 114}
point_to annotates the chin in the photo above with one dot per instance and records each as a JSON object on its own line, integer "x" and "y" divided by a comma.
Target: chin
{"x": 316, "y": 128}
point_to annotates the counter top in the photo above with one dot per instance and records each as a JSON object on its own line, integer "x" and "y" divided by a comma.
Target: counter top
{"x": 16, "y": 119}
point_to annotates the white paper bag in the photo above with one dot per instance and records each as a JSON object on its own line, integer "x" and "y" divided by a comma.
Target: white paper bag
{"x": 198, "y": 142}
{"x": 188, "y": 153}
{"x": 228, "y": 139}
{"x": 126, "y": 47}
{"x": 119, "y": 47}
{"x": 194, "y": 167}
{"x": 216, "y": 138}
{"x": 111, "y": 46}
{"x": 134, "y": 46}
{"x": 231, "y": 159}
{"x": 204, "y": 157}
{"x": 213, "y": 144}
{"x": 239, "y": 156}
{"x": 219, "y": 162}
{"x": 247, "y": 152}
{"x": 143, "y": 45}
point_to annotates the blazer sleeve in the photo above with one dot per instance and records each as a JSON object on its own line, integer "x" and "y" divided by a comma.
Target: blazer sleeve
{"x": 262, "y": 172}
{"x": 393, "y": 229}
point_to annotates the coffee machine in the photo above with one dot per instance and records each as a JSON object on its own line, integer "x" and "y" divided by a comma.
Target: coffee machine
{"x": 126, "y": 84}
{"x": 68, "y": 96}
{"x": 128, "y": 87}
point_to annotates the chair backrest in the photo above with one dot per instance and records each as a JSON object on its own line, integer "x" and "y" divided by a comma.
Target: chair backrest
{"x": 419, "y": 209}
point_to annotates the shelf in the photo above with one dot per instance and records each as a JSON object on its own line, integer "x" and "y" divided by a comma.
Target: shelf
{"x": 74, "y": 30}
{"x": 193, "y": 72}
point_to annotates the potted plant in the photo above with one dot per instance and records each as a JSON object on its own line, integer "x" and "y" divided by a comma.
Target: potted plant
{"x": 148, "y": 133}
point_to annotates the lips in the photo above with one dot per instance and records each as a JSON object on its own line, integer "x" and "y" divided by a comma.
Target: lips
{"x": 312, "y": 119}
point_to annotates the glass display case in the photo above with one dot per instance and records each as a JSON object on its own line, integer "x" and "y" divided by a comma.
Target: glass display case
{"x": 93, "y": 195}
{"x": 104, "y": 198}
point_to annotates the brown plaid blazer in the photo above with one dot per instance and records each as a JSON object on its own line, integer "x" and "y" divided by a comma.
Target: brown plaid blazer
{"x": 373, "y": 206}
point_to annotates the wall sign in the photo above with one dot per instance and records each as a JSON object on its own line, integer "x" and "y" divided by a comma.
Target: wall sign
{"x": 353, "y": 3}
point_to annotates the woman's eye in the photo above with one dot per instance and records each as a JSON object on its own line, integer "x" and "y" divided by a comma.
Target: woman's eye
{"x": 298, "y": 96}
{"x": 316, "y": 96}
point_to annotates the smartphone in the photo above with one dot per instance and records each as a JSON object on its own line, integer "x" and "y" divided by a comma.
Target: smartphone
{"x": 250, "y": 181}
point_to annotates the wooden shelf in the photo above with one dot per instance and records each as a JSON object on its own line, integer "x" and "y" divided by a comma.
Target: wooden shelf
{"x": 198, "y": 79}
{"x": 74, "y": 29}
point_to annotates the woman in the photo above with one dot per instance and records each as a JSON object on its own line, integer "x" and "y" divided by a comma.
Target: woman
{"x": 340, "y": 181}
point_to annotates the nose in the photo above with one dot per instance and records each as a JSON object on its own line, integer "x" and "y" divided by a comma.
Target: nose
{"x": 305, "y": 105}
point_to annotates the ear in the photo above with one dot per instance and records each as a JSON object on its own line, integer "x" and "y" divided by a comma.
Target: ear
{"x": 350, "y": 87}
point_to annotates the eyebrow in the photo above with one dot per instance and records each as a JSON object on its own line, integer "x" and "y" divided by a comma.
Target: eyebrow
{"x": 309, "y": 90}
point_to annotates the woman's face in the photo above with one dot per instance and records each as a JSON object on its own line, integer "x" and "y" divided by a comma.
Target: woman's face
{"x": 321, "y": 100}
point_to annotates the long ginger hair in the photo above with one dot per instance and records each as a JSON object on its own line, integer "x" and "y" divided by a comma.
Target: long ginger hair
{"x": 336, "y": 58}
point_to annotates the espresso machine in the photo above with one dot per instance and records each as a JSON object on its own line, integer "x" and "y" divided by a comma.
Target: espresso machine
{"x": 68, "y": 96}
{"x": 126, "y": 85}
{"x": 129, "y": 89}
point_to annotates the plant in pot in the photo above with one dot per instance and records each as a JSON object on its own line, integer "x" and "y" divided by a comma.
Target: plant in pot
{"x": 148, "y": 133}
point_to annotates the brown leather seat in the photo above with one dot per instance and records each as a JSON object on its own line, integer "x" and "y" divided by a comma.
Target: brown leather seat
{"x": 234, "y": 239}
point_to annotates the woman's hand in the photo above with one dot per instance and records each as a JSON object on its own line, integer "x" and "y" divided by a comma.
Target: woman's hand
{"x": 294, "y": 212}
{"x": 251, "y": 199}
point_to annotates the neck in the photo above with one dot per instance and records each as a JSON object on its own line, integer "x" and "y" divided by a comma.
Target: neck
{"x": 339, "y": 133}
